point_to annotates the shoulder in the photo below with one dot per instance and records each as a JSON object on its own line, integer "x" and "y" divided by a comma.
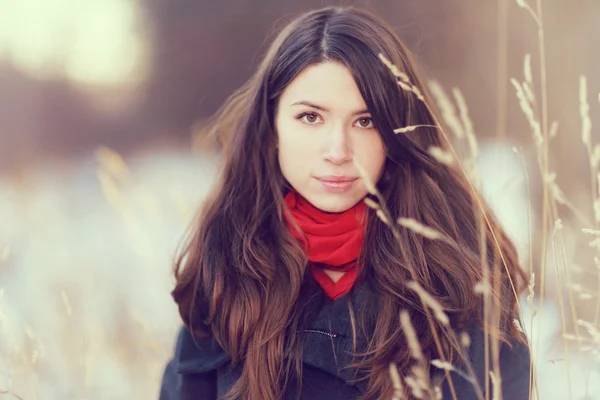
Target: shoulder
{"x": 515, "y": 351}
{"x": 192, "y": 369}
{"x": 514, "y": 362}
{"x": 196, "y": 354}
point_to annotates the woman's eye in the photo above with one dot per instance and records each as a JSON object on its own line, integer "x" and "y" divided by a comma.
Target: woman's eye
{"x": 366, "y": 123}
{"x": 310, "y": 118}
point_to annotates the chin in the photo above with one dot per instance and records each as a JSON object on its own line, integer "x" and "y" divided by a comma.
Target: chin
{"x": 332, "y": 204}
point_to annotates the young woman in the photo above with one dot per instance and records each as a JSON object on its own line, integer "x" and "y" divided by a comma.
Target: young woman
{"x": 298, "y": 283}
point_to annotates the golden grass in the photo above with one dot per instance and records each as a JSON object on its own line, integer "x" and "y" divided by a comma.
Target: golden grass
{"x": 535, "y": 112}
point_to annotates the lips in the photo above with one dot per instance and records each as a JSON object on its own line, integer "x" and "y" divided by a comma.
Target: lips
{"x": 336, "y": 179}
{"x": 334, "y": 183}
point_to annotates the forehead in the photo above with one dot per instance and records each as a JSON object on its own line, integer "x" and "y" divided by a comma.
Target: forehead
{"x": 328, "y": 84}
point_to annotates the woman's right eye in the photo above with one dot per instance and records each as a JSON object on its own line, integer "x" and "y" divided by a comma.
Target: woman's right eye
{"x": 310, "y": 118}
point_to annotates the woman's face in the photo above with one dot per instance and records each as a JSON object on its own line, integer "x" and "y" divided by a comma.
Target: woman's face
{"x": 323, "y": 126}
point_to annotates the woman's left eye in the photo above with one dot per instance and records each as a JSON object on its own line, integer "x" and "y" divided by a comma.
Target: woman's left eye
{"x": 365, "y": 122}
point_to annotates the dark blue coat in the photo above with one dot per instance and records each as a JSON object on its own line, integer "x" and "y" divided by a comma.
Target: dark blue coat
{"x": 202, "y": 371}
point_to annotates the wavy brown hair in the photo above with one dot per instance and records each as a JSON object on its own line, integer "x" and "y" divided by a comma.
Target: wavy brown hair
{"x": 241, "y": 275}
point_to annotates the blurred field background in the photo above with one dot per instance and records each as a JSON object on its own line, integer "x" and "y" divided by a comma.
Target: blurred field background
{"x": 101, "y": 170}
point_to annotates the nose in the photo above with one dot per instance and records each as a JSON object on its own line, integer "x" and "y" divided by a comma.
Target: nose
{"x": 338, "y": 149}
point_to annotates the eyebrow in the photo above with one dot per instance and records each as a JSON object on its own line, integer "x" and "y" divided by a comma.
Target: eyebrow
{"x": 309, "y": 104}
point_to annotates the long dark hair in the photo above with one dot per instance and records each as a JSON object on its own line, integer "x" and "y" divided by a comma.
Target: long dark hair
{"x": 241, "y": 275}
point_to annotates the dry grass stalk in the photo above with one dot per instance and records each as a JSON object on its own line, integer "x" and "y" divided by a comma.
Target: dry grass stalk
{"x": 395, "y": 71}
{"x": 558, "y": 226}
{"x": 531, "y": 289}
{"x": 527, "y": 70}
{"x": 527, "y": 109}
{"x": 414, "y": 386}
{"x": 365, "y": 177}
{"x": 482, "y": 288}
{"x": 466, "y": 122}
{"x": 441, "y": 156}
{"x": 447, "y": 109}
{"x": 553, "y": 129}
{"x": 419, "y": 228}
{"x": 420, "y": 379}
{"x": 528, "y": 92}
{"x": 596, "y": 204}
{"x": 530, "y": 297}
{"x": 584, "y": 112}
{"x": 517, "y": 325}
{"x": 523, "y": 4}
{"x": 412, "y": 88}
{"x": 465, "y": 340}
{"x": 594, "y": 232}
{"x": 404, "y": 82}
{"x": 411, "y": 337}
{"x": 381, "y": 214}
{"x": 421, "y": 374}
{"x": 430, "y": 302}
{"x": 595, "y": 158}
{"x": 495, "y": 386}
{"x": 371, "y": 203}
{"x": 411, "y": 128}
{"x": 541, "y": 138}
{"x": 555, "y": 190}
{"x": 583, "y": 293}
{"x": 597, "y": 207}
{"x": 595, "y": 243}
{"x": 570, "y": 336}
{"x": 397, "y": 382}
{"x": 446, "y": 366}
{"x": 462, "y": 128}
{"x": 592, "y": 330}
{"x": 557, "y": 193}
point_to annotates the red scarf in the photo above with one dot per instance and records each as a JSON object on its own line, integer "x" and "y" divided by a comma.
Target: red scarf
{"x": 332, "y": 241}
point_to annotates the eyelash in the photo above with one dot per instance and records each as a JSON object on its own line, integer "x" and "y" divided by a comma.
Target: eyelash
{"x": 301, "y": 116}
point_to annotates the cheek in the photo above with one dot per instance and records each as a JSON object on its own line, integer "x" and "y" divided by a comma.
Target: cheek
{"x": 371, "y": 154}
{"x": 294, "y": 148}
